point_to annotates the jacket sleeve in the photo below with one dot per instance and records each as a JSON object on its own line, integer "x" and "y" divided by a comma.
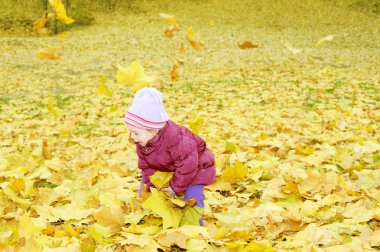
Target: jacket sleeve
{"x": 185, "y": 156}
{"x": 146, "y": 171}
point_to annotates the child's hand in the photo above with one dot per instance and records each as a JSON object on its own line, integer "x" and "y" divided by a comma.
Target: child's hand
{"x": 169, "y": 190}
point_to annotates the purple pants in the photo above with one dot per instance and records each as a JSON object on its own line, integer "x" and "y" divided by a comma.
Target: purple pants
{"x": 193, "y": 192}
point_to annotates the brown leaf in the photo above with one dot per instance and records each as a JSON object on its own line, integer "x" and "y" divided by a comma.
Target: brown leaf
{"x": 247, "y": 45}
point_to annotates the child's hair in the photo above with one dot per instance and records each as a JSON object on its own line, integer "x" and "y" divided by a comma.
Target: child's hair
{"x": 147, "y": 110}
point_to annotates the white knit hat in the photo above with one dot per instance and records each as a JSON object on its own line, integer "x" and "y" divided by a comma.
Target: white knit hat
{"x": 147, "y": 110}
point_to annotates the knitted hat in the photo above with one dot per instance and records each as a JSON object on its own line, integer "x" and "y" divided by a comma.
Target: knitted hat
{"x": 147, "y": 110}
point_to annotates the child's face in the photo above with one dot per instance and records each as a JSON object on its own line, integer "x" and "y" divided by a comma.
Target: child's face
{"x": 141, "y": 136}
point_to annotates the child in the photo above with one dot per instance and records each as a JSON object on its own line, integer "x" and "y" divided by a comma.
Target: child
{"x": 162, "y": 145}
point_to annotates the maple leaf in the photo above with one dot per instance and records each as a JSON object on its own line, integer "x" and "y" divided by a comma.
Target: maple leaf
{"x": 174, "y": 72}
{"x": 100, "y": 234}
{"x": 45, "y": 150}
{"x": 195, "y": 44}
{"x": 247, "y": 45}
{"x": 133, "y": 75}
{"x": 182, "y": 48}
{"x": 103, "y": 89}
{"x": 161, "y": 179}
{"x": 235, "y": 173}
{"x": 196, "y": 124}
{"x": 48, "y": 53}
{"x": 60, "y": 11}
{"x": 169, "y": 31}
{"x": 192, "y": 216}
{"x": 292, "y": 49}
{"x": 39, "y": 25}
{"x": 110, "y": 217}
{"x": 158, "y": 204}
{"x": 51, "y": 106}
{"x": 168, "y": 18}
{"x": 176, "y": 237}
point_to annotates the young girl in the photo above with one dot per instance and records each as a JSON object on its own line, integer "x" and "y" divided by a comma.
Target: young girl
{"x": 162, "y": 145}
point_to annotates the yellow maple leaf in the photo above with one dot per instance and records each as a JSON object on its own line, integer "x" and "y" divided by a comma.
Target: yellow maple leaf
{"x": 196, "y": 124}
{"x": 27, "y": 228}
{"x": 158, "y": 204}
{"x": 133, "y": 75}
{"x": 103, "y": 89}
{"x": 168, "y": 18}
{"x": 161, "y": 179}
{"x": 60, "y": 11}
{"x": 192, "y": 216}
{"x": 110, "y": 217}
{"x": 235, "y": 173}
{"x": 100, "y": 234}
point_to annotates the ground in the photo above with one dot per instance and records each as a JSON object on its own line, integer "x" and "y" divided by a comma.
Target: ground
{"x": 301, "y": 112}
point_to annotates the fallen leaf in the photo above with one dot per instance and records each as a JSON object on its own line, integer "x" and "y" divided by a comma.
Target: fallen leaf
{"x": 48, "y": 52}
{"x": 247, "y": 45}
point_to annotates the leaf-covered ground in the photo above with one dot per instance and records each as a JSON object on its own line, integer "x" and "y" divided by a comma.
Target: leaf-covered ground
{"x": 301, "y": 113}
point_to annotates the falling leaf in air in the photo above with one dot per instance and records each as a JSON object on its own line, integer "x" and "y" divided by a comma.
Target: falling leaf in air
{"x": 190, "y": 35}
{"x": 39, "y": 25}
{"x": 324, "y": 39}
{"x": 169, "y": 32}
{"x": 133, "y": 75}
{"x": 48, "y": 52}
{"x": 182, "y": 48}
{"x": 292, "y": 49}
{"x": 247, "y": 45}
{"x": 51, "y": 106}
{"x": 103, "y": 89}
{"x": 168, "y": 18}
{"x": 173, "y": 26}
{"x": 174, "y": 70}
{"x": 60, "y": 11}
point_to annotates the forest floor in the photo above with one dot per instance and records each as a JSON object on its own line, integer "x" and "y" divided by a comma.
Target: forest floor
{"x": 301, "y": 112}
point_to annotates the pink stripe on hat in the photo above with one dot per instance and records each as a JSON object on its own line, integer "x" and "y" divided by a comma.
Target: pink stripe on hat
{"x": 139, "y": 122}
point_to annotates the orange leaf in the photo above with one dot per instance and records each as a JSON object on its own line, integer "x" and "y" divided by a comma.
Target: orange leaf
{"x": 247, "y": 44}
{"x": 48, "y": 53}
{"x": 170, "y": 30}
{"x": 39, "y": 25}
{"x": 182, "y": 48}
{"x": 174, "y": 72}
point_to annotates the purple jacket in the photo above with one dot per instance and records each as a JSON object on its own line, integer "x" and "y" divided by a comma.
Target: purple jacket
{"x": 176, "y": 149}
